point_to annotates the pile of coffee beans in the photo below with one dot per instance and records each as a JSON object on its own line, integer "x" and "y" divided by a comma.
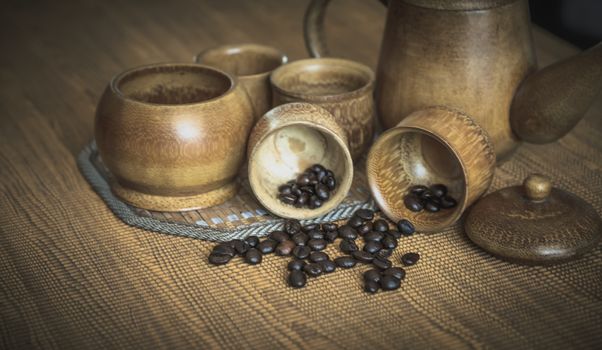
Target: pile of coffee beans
{"x": 431, "y": 199}
{"x": 310, "y": 190}
{"x": 306, "y": 244}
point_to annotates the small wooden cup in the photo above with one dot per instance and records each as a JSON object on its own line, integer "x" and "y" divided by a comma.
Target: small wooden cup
{"x": 342, "y": 87}
{"x": 285, "y": 142}
{"x": 173, "y": 135}
{"x": 430, "y": 146}
{"x": 252, "y": 65}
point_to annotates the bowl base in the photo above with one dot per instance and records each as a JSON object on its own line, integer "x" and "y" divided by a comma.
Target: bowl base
{"x": 175, "y": 203}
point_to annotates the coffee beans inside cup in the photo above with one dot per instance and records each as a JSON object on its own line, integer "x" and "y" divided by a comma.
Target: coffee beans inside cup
{"x": 310, "y": 190}
{"x": 431, "y": 199}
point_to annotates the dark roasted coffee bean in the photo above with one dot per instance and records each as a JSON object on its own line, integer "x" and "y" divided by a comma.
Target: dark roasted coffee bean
{"x": 313, "y": 270}
{"x": 396, "y": 272}
{"x": 365, "y": 214}
{"x": 374, "y": 236}
{"x": 219, "y": 259}
{"x": 302, "y": 200}
{"x": 328, "y": 266}
{"x": 285, "y": 189}
{"x": 381, "y": 263}
{"x": 365, "y": 228}
{"x": 418, "y": 189}
{"x": 330, "y": 236}
{"x": 405, "y": 227}
{"x": 253, "y": 256}
{"x": 371, "y": 287}
{"x": 329, "y": 226}
{"x": 308, "y": 189}
{"x": 431, "y": 206}
{"x": 380, "y": 225}
{"x": 320, "y": 175}
{"x": 315, "y": 202}
{"x": 322, "y": 192}
{"x": 296, "y": 264}
{"x": 301, "y": 251}
{"x": 389, "y": 242}
{"x": 310, "y": 227}
{"x": 355, "y": 222}
{"x": 372, "y": 275}
{"x": 348, "y": 246}
{"x": 224, "y": 249}
{"x": 287, "y": 198}
{"x": 312, "y": 176}
{"x": 413, "y": 203}
{"x": 347, "y": 232}
{"x": 252, "y": 241}
{"x": 318, "y": 256}
{"x": 448, "y": 202}
{"x": 316, "y": 168}
{"x": 279, "y": 236}
{"x": 426, "y": 195}
{"x": 297, "y": 279}
{"x": 296, "y": 191}
{"x": 439, "y": 190}
{"x": 410, "y": 259}
{"x": 384, "y": 253}
{"x": 395, "y": 234}
{"x": 388, "y": 282}
{"x": 330, "y": 182}
{"x": 317, "y": 244}
{"x": 267, "y": 246}
{"x": 300, "y": 238}
{"x": 284, "y": 248}
{"x": 292, "y": 226}
{"x": 315, "y": 234}
{"x": 329, "y": 173}
{"x": 373, "y": 247}
{"x": 303, "y": 179}
{"x": 241, "y": 247}
{"x": 362, "y": 256}
{"x": 345, "y": 262}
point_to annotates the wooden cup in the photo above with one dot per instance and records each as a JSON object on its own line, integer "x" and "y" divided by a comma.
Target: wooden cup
{"x": 173, "y": 135}
{"x": 285, "y": 142}
{"x": 342, "y": 87}
{"x": 252, "y": 65}
{"x": 435, "y": 145}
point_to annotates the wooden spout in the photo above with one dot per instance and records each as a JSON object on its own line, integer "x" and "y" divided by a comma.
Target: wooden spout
{"x": 549, "y": 103}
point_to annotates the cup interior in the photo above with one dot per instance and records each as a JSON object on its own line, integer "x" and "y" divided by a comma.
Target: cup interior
{"x": 243, "y": 60}
{"x": 172, "y": 84}
{"x": 321, "y": 77}
{"x": 285, "y": 153}
{"x": 405, "y": 157}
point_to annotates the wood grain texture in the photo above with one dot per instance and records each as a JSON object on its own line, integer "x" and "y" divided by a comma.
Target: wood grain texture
{"x": 74, "y": 276}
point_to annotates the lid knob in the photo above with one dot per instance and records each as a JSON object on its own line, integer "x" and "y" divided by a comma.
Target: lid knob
{"x": 537, "y": 187}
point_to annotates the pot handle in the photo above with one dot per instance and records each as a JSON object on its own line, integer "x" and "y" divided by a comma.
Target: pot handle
{"x": 313, "y": 27}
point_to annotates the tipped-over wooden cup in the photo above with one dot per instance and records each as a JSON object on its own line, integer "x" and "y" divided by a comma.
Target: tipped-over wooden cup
{"x": 342, "y": 87}
{"x": 173, "y": 135}
{"x": 285, "y": 142}
{"x": 252, "y": 64}
{"x": 435, "y": 145}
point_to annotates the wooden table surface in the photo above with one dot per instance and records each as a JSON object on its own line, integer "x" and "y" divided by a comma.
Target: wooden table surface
{"x": 72, "y": 274}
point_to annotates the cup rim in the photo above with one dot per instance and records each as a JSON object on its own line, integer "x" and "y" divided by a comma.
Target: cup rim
{"x": 327, "y": 97}
{"x": 244, "y": 46}
{"x": 116, "y": 80}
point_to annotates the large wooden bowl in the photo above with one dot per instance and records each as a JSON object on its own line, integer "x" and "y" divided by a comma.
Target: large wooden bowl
{"x": 173, "y": 135}
{"x": 287, "y": 140}
{"x": 435, "y": 145}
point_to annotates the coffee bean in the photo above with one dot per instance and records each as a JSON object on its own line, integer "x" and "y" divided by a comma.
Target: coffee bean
{"x": 355, "y": 222}
{"x": 296, "y": 191}
{"x": 317, "y": 244}
{"x": 313, "y": 270}
{"x": 320, "y": 175}
{"x": 365, "y": 228}
{"x": 308, "y": 189}
{"x": 384, "y": 253}
{"x": 448, "y": 202}
{"x": 296, "y": 264}
{"x": 279, "y": 236}
{"x": 418, "y": 189}
{"x": 382, "y": 264}
{"x": 389, "y": 242}
{"x": 396, "y": 272}
{"x": 365, "y": 214}
{"x": 372, "y": 275}
{"x": 287, "y": 198}
{"x": 300, "y": 238}
{"x": 405, "y": 227}
{"x": 347, "y": 232}
{"x": 329, "y": 173}
{"x": 331, "y": 236}
{"x": 315, "y": 202}
{"x": 329, "y": 226}
{"x": 253, "y": 256}
{"x": 315, "y": 234}
{"x": 348, "y": 246}
{"x": 301, "y": 251}
{"x": 310, "y": 227}
{"x": 285, "y": 248}
{"x": 267, "y": 246}
{"x": 303, "y": 179}
{"x": 363, "y": 257}
{"x": 224, "y": 249}
{"x": 241, "y": 247}
{"x": 426, "y": 195}
{"x": 413, "y": 203}
{"x": 410, "y": 259}
{"x": 388, "y": 282}
{"x": 330, "y": 182}
{"x": 252, "y": 241}
{"x": 374, "y": 236}
{"x": 345, "y": 262}
{"x": 318, "y": 256}
{"x": 316, "y": 168}
{"x": 322, "y": 191}
{"x": 285, "y": 189}
{"x": 371, "y": 287}
{"x": 372, "y": 247}
{"x": 439, "y": 190}
{"x": 394, "y": 234}
{"x": 302, "y": 199}
{"x": 328, "y": 266}
{"x": 219, "y": 259}
{"x": 431, "y": 206}
{"x": 297, "y": 279}
{"x": 292, "y": 226}
{"x": 380, "y": 225}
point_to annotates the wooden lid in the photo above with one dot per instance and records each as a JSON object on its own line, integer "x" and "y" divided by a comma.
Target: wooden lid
{"x": 534, "y": 223}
